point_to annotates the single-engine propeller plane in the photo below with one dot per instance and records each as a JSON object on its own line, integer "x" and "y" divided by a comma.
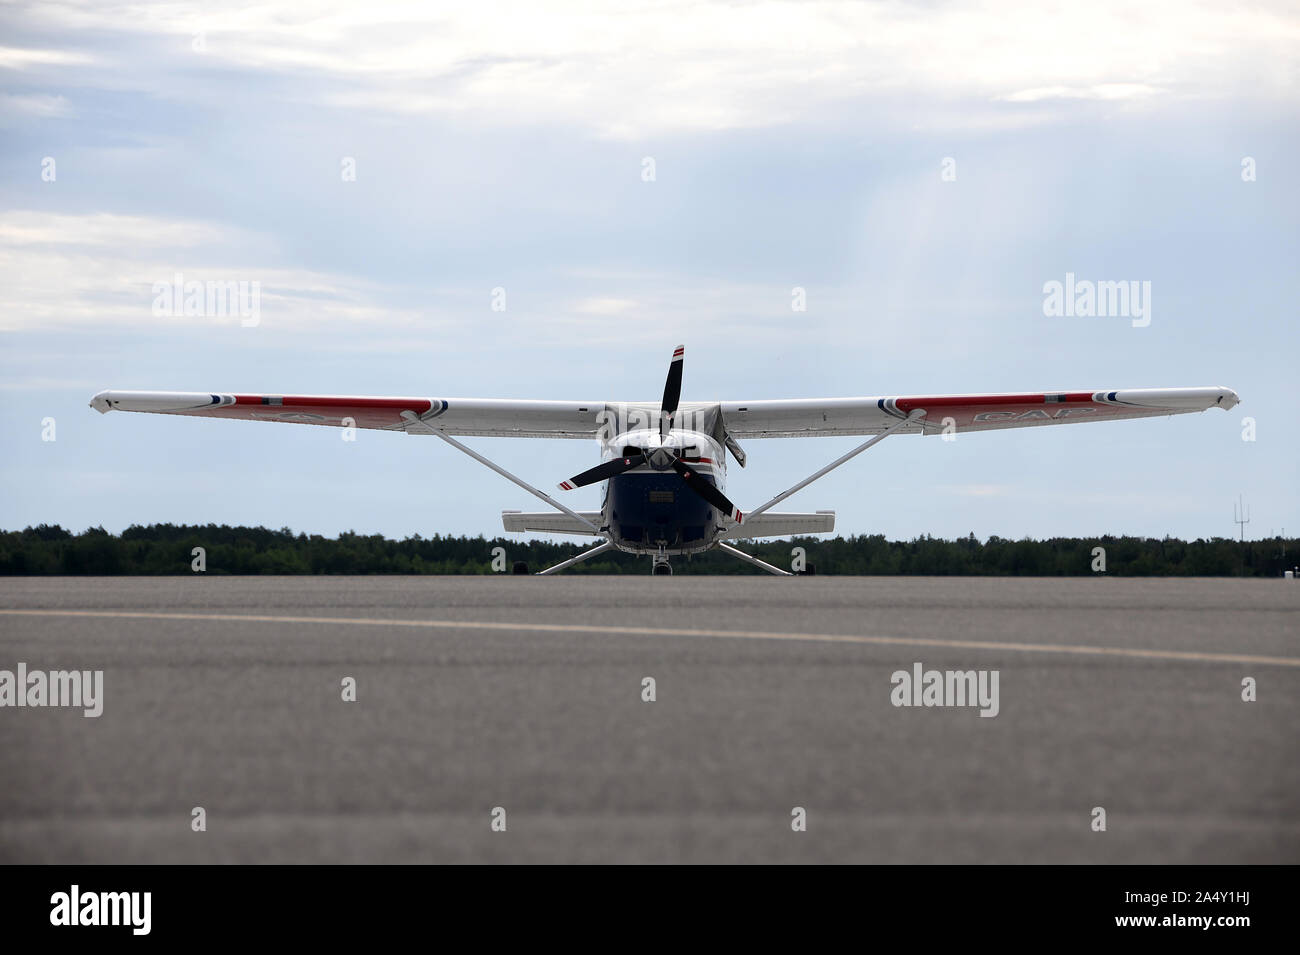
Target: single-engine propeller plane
{"x": 664, "y": 466}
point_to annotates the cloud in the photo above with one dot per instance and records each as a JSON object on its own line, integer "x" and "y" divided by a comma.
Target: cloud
{"x": 42, "y": 105}
{"x": 1101, "y": 91}
{"x": 630, "y": 69}
{"x": 31, "y": 227}
{"x": 17, "y": 58}
{"x": 62, "y": 270}
{"x": 100, "y": 270}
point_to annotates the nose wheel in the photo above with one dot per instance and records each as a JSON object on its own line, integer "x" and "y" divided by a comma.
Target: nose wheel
{"x": 661, "y": 567}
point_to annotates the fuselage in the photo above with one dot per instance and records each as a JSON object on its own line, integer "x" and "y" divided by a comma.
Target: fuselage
{"x": 650, "y": 510}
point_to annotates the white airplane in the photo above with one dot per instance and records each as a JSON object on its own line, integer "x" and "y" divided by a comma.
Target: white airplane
{"x": 665, "y": 466}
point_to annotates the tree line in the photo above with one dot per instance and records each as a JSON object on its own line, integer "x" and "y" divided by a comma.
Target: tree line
{"x": 159, "y": 549}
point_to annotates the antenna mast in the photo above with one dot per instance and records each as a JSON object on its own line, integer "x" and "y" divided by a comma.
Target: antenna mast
{"x": 1241, "y": 516}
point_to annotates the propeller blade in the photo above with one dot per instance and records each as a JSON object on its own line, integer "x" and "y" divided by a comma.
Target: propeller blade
{"x": 672, "y": 392}
{"x": 602, "y": 472}
{"x": 696, "y": 482}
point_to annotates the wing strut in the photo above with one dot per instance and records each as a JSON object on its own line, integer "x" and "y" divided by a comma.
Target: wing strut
{"x": 915, "y": 414}
{"x": 591, "y": 552}
{"x": 736, "y": 552}
{"x": 414, "y": 420}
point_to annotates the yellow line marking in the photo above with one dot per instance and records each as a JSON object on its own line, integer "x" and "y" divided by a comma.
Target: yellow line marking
{"x": 1076, "y": 649}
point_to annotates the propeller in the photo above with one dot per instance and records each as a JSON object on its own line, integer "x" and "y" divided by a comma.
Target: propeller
{"x": 709, "y": 492}
{"x": 662, "y": 457}
{"x": 672, "y": 392}
{"x": 603, "y": 472}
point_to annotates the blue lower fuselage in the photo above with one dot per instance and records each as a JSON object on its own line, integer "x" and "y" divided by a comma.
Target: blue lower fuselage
{"x": 647, "y": 510}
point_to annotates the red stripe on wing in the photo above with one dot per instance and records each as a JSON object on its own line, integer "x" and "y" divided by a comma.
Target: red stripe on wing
{"x": 1021, "y": 408}
{"x": 329, "y": 410}
{"x": 1029, "y": 400}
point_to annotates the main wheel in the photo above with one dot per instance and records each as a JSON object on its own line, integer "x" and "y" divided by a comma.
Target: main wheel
{"x": 662, "y": 570}
{"x": 520, "y": 567}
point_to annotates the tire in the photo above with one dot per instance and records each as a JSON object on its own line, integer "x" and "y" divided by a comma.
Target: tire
{"x": 520, "y": 567}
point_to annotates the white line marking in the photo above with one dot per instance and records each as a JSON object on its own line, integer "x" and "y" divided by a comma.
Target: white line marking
{"x": 1077, "y": 649}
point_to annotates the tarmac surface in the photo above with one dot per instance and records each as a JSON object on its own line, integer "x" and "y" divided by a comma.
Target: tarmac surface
{"x": 476, "y": 694}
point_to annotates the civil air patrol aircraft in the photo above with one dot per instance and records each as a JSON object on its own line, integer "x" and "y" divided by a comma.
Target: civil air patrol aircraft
{"x": 664, "y": 466}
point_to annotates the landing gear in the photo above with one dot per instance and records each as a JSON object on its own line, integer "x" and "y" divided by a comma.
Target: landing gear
{"x": 520, "y": 567}
{"x": 661, "y": 567}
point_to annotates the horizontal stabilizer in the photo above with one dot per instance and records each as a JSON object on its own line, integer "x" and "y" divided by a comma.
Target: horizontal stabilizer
{"x": 777, "y": 524}
{"x": 550, "y": 522}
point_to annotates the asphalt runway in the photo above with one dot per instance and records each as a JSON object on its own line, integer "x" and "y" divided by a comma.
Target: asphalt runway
{"x": 475, "y": 693}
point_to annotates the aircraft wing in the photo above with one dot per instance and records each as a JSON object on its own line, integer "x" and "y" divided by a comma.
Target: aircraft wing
{"x": 814, "y": 417}
{"x": 798, "y": 417}
{"x": 491, "y": 417}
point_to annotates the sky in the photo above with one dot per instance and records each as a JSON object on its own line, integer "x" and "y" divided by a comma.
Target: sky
{"x": 624, "y": 178}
